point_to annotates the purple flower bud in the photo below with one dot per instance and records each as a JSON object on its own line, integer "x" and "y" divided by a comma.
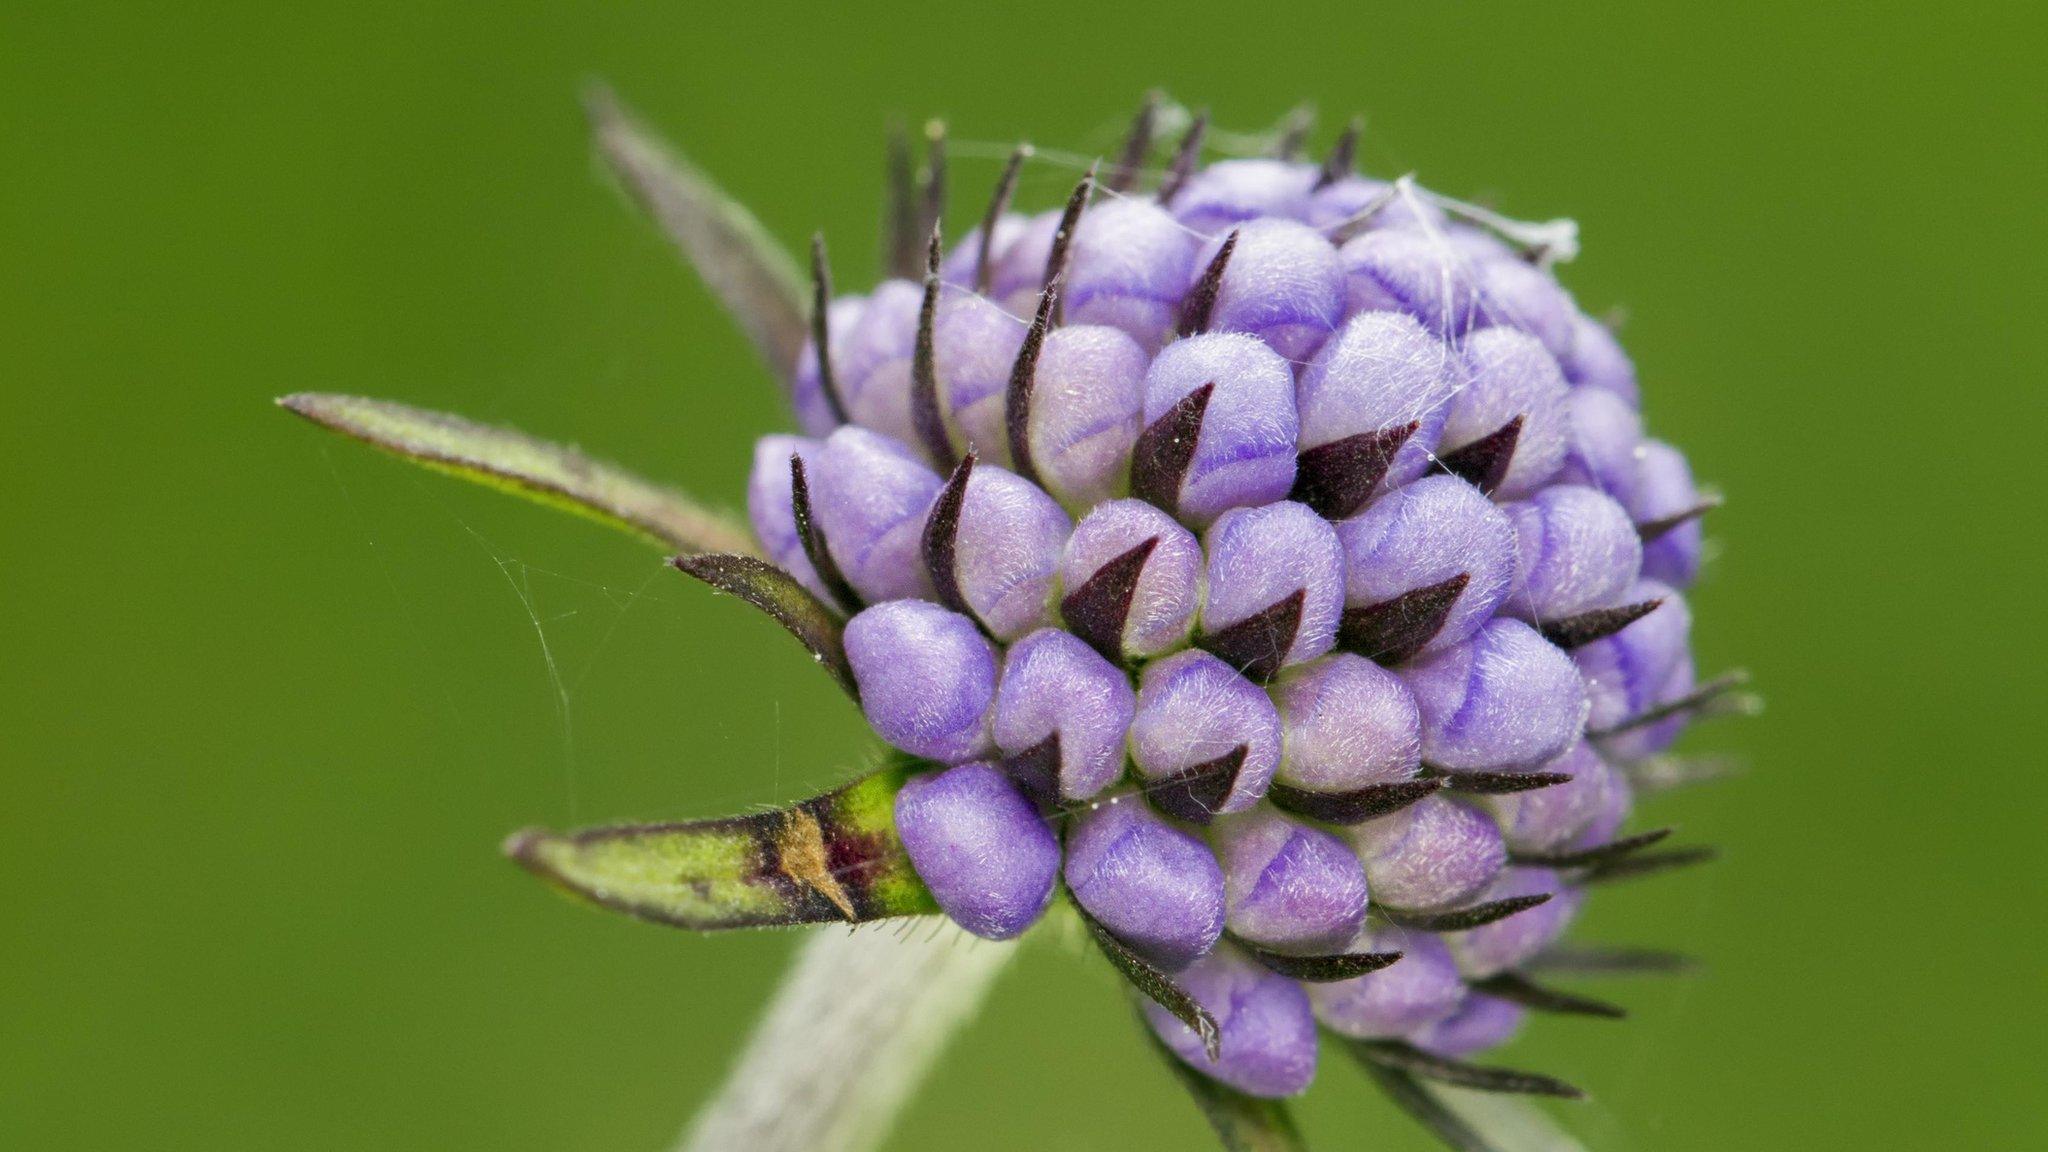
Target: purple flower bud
{"x": 1286, "y": 886}
{"x": 1612, "y": 801}
{"x": 1154, "y": 886}
{"x": 1511, "y": 376}
{"x": 1419, "y": 536}
{"x": 1019, "y": 270}
{"x": 1410, "y": 270}
{"x": 1482, "y": 1022}
{"x": 983, "y": 850}
{"x": 974, "y": 344}
{"x": 1348, "y": 723}
{"x": 1597, "y": 361}
{"x": 1260, "y": 557}
{"x": 1055, "y": 685}
{"x": 1381, "y": 371}
{"x": 873, "y": 370}
{"x": 870, "y": 494}
{"x": 770, "y": 511}
{"x": 1435, "y": 853}
{"x": 1625, "y": 672}
{"x": 1650, "y": 739}
{"x": 1007, "y": 548}
{"x": 1087, "y": 407}
{"x": 1342, "y": 201}
{"x": 806, "y": 387}
{"x": 1193, "y": 710}
{"x": 1245, "y": 454}
{"x": 1605, "y": 435}
{"x": 1283, "y": 284}
{"x": 1576, "y": 550}
{"x": 1664, "y": 488}
{"x": 1552, "y": 819}
{"x": 1504, "y": 700}
{"x": 1417, "y": 990}
{"x": 1491, "y": 949}
{"x": 1517, "y": 295}
{"x": 1233, "y": 191}
{"x": 1268, "y": 1034}
{"x": 926, "y": 676}
{"x": 1169, "y": 586}
{"x": 959, "y": 262}
{"x": 1132, "y": 263}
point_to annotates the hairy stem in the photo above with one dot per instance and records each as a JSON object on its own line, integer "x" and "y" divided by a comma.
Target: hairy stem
{"x": 853, "y": 1028}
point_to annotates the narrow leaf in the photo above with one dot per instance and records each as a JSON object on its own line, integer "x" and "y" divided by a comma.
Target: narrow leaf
{"x": 1343, "y": 154}
{"x": 998, "y": 205}
{"x": 551, "y": 474}
{"x": 1650, "y": 530}
{"x": 1502, "y": 783}
{"x": 1335, "y": 478}
{"x": 1586, "y": 627}
{"x": 1424, "y": 1108}
{"x": 1519, "y": 989}
{"x": 777, "y": 593}
{"x": 1355, "y": 806}
{"x": 821, "y": 331}
{"x": 1062, "y": 251}
{"x": 1156, "y": 985}
{"x": 1097, "y": 610}
{"x": 1195, "y": 312}
{"x": 1320, "y": 969}
{"x": 831, "y": 858}
{"x": 1196, "y": 793}
{"x": 1484, "y": 462}
{"x": 1597, "y": 960}
{"x": 1462, "y": 919}
{"x": 1023, "y": 382}
{"x": 900, "y": 233}
{"x": 1393, "y": 630}
{"x": 1648, "y": 864}
{"x": 1414, "y": 1061}
{"x": 1243, "y": 1123}
{"x": 1258, "y": 644}
{"x": 1166, "y": 447}
{"x": 811, "y": 535}
{"x": 739, "y": 261}
{"x": 1595, "y": 856}
{"x": 1718, "y": 693}
{"x": 1037, "y": 771}
{"x": 927, "y": 411}
{"x": 942, "y": 538}
{"x": 1137, "y": 146}
{"x": 1185, "y": 156}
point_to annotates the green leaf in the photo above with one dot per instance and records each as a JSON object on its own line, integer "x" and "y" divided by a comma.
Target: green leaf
{"x": 778, "y": 593}
{"x": 739, "y": 261}
{"x": 1243, "y": 1123}
{"x": 832, "y": 858}
{"x": 551, "y": 474}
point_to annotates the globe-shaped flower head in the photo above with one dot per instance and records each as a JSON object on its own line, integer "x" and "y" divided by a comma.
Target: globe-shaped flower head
{"x": 1267, "y": 563}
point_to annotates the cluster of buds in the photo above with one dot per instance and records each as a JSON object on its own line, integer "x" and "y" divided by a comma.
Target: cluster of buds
{"x": 1269, "y": 558}
{"x": 1292, "y": 588}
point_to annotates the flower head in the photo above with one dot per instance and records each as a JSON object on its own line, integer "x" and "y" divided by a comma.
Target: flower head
{"x": 1269, "y": 562}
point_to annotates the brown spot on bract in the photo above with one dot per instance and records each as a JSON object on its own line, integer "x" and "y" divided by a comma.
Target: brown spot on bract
{"x": 800, "y": 852}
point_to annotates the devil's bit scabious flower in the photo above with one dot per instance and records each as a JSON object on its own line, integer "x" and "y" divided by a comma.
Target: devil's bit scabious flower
{"x": 1266, "y": 562}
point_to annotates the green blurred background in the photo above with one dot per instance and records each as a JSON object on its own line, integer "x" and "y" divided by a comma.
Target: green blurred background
{"x": 271, "y": 699}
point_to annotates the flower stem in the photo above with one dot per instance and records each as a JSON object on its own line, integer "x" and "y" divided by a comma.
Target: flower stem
{"x": 853, "y": 1028}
